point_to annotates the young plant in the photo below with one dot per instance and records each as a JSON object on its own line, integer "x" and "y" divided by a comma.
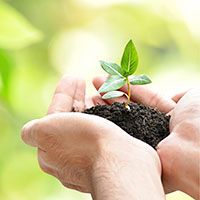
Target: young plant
{"x": 122, "y": 75}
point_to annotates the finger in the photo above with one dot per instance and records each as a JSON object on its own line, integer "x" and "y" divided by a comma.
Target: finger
{"x": 187, "y": 108}
{"x": 62, "y": 100}
{"x": 97, "y": 82}
{"x": 143, "y": 95}
{"x": 29, "y": 135}
{"x": 79, "y": 96}
{"x": 97, "y": 100}
{"x": 148, "y": 97}
{"x": 89, "y": 102}
{"x": 43, "y": 133}
{"x": 178, "y": 96}
{"x": 93, "y": 101}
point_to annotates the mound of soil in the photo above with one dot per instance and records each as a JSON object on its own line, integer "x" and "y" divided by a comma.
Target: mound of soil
{"x": 142, "y": 122}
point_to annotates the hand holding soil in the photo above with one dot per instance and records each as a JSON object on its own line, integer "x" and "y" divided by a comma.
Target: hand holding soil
{"x": 150, "y": 125}
{"x": 91, "y": 154}
{"x": 83, "y": 141}
{"x": 179, "y": 152}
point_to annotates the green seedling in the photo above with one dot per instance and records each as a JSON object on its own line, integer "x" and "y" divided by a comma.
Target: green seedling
{"x": 122, "y": 75}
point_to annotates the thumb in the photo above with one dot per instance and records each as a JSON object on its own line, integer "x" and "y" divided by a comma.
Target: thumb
{"x": 29, "y": 133}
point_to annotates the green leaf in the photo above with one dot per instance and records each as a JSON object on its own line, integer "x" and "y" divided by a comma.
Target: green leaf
{"x": 15, "y": 31}
{"x": 129, "y": 60}
{"x": 112, "y": 68}
{"x": 114, "y": 82}
{"x": 113, "y": 94}
{"x": 139, "y": 80}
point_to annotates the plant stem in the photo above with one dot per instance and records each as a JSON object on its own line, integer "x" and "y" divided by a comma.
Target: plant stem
{"x": 129, "y": 91}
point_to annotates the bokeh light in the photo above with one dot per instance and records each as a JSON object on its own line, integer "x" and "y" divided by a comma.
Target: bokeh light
{"x": 42, "y": 40}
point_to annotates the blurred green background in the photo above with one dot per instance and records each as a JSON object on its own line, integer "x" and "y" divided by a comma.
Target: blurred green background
{"x": 41, "y": 40}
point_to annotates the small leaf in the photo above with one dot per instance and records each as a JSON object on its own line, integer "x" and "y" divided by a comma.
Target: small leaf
{"x": 129, "y": 60}
{"x": 140, "y": 80}
{"x": 112, "y": 68}
{"x": 114, "y": 82}
{"x": 113, "y": 94}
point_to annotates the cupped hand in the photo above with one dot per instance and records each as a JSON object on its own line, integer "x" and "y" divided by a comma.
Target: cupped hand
{"x": 179, "y": 152}
{"x": 76, "y": 147}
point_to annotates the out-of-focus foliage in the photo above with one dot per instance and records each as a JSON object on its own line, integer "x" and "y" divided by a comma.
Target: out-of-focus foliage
{"x": 16, "y": 31}
{"x": 41, "y": 40}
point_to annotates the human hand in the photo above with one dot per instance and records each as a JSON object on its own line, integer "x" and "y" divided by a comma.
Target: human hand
{"x": 179, "y": 151}
{"x": 85, "y": 151}
{"x": 63, "y": 129}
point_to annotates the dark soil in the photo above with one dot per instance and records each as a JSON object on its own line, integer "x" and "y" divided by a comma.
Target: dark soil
{"x": 142, "y": 122}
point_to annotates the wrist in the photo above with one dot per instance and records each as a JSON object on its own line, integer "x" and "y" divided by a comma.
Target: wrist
{"x": 105, "y": 180}
{"x": 133, "y": 172}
